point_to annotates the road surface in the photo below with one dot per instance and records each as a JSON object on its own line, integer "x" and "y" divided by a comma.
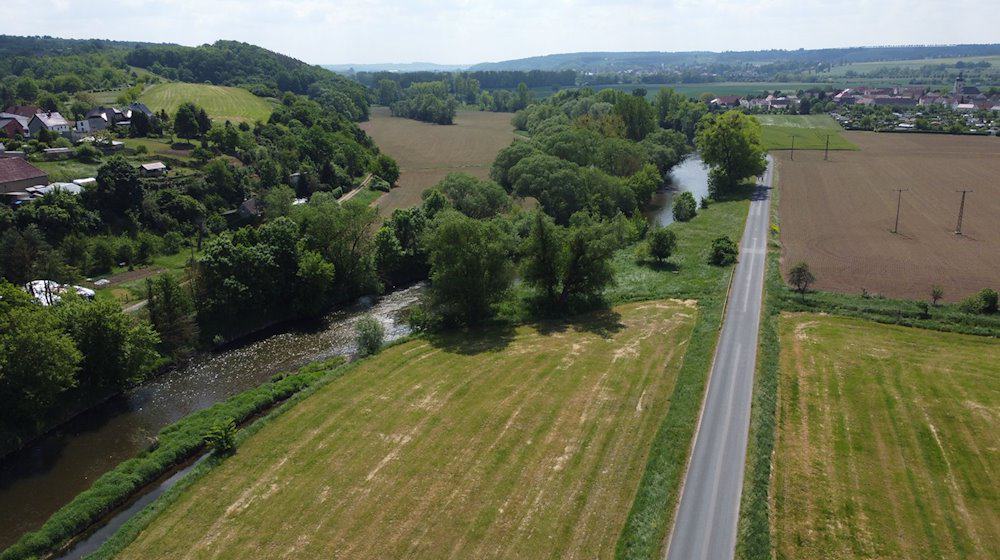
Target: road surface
{"x": 705, "y": 528}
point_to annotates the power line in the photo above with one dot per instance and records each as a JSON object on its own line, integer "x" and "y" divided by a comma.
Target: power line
{"x": 961, "y": 211}
{"x": 899, "y": 198}
{"x": 793, "y": 147}
{"x": 826, "y": 150}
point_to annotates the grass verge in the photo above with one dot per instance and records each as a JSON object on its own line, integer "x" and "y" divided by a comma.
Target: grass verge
{"x": 810, "y": 132}
{"x": 174, "y": 444}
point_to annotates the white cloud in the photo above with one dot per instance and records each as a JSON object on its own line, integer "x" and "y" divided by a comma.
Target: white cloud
{"x": 459, "y": 31}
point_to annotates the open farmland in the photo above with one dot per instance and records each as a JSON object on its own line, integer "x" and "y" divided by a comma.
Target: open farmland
{"x": 220, "y": 102}
{"x": 525, "y": 443}
{"x": 888, "y": 442}
{"x": 810, "y": 132}
{"x": 427, "y": 152}
{"x": 838, "y": 215}
{"x": 864, "y": 67}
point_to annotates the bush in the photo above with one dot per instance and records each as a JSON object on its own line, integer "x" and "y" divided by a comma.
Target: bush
{"x": 370, "y": 335}
{"x": 704, "y": 203}
{"x": 723, "y": 252}
{"x": 685, "y": 207}
{"x": 141, "y": 149}
{"x": 87, "y": 153}
{"x": 662, "y": 242}
{"x": 221, "y": 437}
{"x": 982, "y": 303}
{"x": 172, "y": 243}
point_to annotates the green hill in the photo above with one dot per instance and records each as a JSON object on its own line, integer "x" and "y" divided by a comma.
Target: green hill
{"x": 221, "y": 102}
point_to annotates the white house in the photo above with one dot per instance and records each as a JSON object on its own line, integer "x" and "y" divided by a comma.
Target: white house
{"x": 48, "y": 121}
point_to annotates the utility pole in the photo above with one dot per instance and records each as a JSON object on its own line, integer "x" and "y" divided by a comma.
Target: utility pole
{"x": 899, "y": 198}
{"x": 826, "y": 150}
{"x": 793, "y": 147}
{"x": 961, "y": 212}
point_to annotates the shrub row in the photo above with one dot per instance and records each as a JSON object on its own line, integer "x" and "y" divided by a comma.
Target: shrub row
{"x": 174, "y": 444}
{"x": 656, "y": 499}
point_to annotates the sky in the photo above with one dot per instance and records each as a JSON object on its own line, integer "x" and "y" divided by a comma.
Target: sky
{"x": 466, "y": 32}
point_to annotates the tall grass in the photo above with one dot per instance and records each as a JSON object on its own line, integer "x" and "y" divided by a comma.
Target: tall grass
{"x": 174, "y": 444}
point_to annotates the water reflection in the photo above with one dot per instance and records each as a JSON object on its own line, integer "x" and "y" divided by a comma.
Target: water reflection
{"x": 40, "y": 479}
{"x": 690, "y": 175}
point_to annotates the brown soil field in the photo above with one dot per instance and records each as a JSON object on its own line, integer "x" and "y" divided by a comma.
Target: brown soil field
{"x": 838, "y": 215}
{"x": 427, "y": 152}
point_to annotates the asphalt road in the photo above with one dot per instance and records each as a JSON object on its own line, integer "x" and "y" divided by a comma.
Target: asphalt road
{"x": 705, "y": 528}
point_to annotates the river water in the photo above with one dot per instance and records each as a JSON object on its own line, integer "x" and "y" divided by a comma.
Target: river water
{"x": 690, "y": 175}
{"x": 43, "y": 477}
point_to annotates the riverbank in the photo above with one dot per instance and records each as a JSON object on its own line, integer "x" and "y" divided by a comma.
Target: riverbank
{"x": 41, "y": 478}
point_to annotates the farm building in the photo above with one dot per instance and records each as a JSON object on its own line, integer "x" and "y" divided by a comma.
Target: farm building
{"x": 17, "y": 175}
{"x": 48, "y": 121}
{"x": 57, "y": 153}
{"x": 12, "y": 125}
{"x": 153, "y": 169}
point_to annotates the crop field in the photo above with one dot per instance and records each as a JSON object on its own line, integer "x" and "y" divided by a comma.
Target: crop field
{"x": 427, "y": 152}
{"x": 810, "y": 132}
{"x": 525, "y": 443}
{"x": 888, "y": 442}
{"x": 862, "y": 67}
{"x": 838, "y": 215}
{"x": 220, "y": 102}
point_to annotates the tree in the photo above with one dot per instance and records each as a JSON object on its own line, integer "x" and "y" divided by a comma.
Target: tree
{"x": 638, "y": 115}
{"x": 983, "y": 302}
{"x": 685, "y": 208}
{"x": 37, "y": 360}
{"x": 730, "y": 143}
{"x": 278, "y": 201}
{"x": 186, "y": 123}
{"x": 801, "y": 277}
{"x": 473, "y": 197}
{"x": 117, "y": 350}
{"x": 470, "y": 266}
{"x": 507, "y": 159}
{"x": 386, "y": 168}
{"x": 937, "y": 292}
{"x": 118, "y": 189}
{"x": 221, "y": 437}
{"x": 724, "y": 251}
{"x": 370, "y": 335}
{"x": 314, "y": 284}
{"x": 662, "y": 242}
{"x": 544, "y": 255}
{"x": 21, "y": 251}
{"x": 139, "y": 124}
{"x": 171, "y": 312}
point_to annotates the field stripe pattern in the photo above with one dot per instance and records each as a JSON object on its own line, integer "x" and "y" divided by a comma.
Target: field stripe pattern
{"x": 520, "y": 444}
{"x": 888, "y": 442}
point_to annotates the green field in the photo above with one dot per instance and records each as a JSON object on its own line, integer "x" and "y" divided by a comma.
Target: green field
{"x": 221, "y": 102}
{"x": 810, "y": 132}
{"x": 520, "y": 443}
{"x": 888, "y": 442}
{"x": 863, "y": 67}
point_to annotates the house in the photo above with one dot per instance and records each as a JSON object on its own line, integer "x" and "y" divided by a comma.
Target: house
{"x": 48, "y": 121}
{"x": 726, "y": 101}
{"x": 17, "y": 174}
{"x": 153, "y": 169}
{"x": 140, "y": 108}
{"x": 26, "y": 111}
{"x": 250, "y": 208}
{"x": 12, "y": 124}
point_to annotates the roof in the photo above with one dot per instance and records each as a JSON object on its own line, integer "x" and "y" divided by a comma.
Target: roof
{"x": 19, "y": 118}
{"x": 51, "y": 119}
{"x": 153, "y": 166}
{"x": 23, "y": 110}
{"x": 16, "y": 169}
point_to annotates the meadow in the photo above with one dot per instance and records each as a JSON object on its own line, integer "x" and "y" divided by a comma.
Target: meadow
{"x": 526, "y": 442}
{"x": 427, "y": 152}
{"x": 810, "y": 132}
{"x": 888, "y": 442}
{"x": 220, "y": 102}
{"x": 863, "y": 67}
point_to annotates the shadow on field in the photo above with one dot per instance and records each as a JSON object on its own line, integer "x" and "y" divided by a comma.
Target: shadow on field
{"x": 604, "y": 323}
{"x": 474, "y": 341}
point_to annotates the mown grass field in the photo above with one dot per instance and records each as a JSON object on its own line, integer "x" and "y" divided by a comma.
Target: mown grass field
{"x": 525, "y": 443}
{"x": 888, "y": 442}
{"x": 220, "y": 102}
{"x": 810, "y": 132}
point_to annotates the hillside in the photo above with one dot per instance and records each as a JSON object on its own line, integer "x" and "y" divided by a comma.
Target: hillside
{"x": 220, "y": 102}
{"x": 655, "y": 61}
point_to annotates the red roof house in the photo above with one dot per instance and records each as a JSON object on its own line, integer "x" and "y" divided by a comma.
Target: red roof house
{"x": 17, "y": 175}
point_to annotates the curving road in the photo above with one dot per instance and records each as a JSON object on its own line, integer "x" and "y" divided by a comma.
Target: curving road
{"x": 705, "y": 527}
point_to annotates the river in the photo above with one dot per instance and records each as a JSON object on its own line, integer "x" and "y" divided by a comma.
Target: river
{"x": 690, "y": 175}
{"x": 46, "y": 475}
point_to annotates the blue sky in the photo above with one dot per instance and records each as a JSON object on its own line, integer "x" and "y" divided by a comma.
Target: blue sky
{"x": 458, "y": 31}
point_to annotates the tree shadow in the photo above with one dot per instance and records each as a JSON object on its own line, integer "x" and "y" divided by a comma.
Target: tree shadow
{"x": 659, "y": 266}
{"x": 603, "y": 322}
{"x": 470, "y": 341}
